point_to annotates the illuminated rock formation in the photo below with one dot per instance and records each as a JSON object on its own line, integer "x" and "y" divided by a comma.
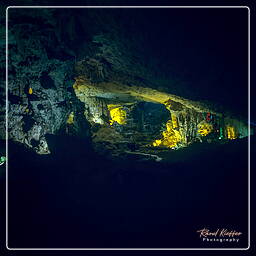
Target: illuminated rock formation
{"x": 188, "y": 122}
{"x": 99, "y": 82}
{"x": 117, "y": 114}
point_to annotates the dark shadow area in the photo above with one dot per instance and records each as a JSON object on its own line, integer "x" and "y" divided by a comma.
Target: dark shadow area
{"x": 74, "y": 198}
{"x": 77, "y": 198}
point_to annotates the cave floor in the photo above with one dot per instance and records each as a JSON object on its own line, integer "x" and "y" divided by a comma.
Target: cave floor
{"x": 75, "y": 198}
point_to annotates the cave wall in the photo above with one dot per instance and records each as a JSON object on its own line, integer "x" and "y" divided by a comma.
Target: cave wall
{"x": 43, "y": 47}
{"x": 79, "y": 61}
{"x": 40, "y": 77}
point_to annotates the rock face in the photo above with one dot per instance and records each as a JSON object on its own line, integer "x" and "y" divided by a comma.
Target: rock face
{"x": 40, "y": 71}
{"x": 141, "y": 118}
{"x": 79, "y": 73}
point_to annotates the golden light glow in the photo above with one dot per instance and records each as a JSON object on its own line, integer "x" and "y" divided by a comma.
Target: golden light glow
{"x": 204, "y": 128}
{"x": 231, "y": 132}
{"x": 171, "y": 136}
{"x": 174, "y": 121}
{"x": 70, "y": 119}
{"x": 168, "y": 104}
{"x": 30, "y": 90}
{"x": 157, "y": 143}
{"x": 84, "y": 88}
{"x": 117, "y": 114}
{"x": 185, "y": 113}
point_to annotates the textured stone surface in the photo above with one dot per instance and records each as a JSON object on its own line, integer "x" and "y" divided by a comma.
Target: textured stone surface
{"x": 39, "y": 83}
{"x": 80, "y": 62}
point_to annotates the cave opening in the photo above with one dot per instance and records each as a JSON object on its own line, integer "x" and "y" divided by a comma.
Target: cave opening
{"x": 127, "y": 119}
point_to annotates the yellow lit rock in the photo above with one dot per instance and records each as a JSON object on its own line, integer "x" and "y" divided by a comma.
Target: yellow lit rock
{"x": 157, "y": 143}
{"x": 174, "y": 121}
{"x": 70, "y": 119}
{"x": 204, "y": 128}
{"x": 117, "y": 114}
{"x": 170, "y": 137}
{"x": 84, "y": 88}
{"x": 231, "y": 134}
{"x": 185, "y": 114}
{"x": 30, "y": 90}
{"x": 168, "y": 105}
{"x": 172, "y": 105}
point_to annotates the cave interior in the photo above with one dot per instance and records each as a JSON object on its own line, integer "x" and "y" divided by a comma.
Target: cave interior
{"x": 125, "y": 124}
